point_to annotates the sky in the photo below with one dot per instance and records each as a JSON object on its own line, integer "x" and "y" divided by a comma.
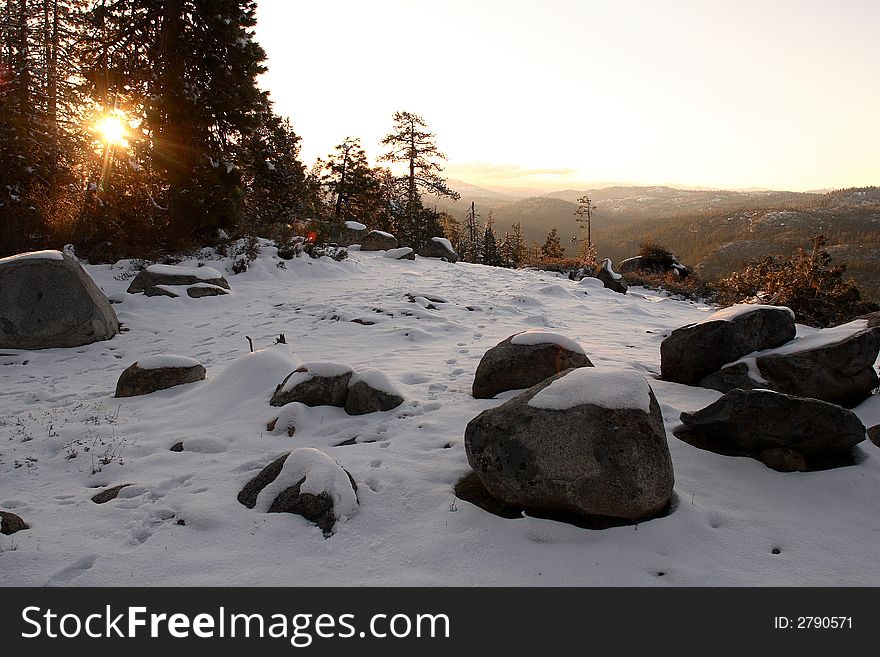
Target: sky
{"x": 778, "y": 94}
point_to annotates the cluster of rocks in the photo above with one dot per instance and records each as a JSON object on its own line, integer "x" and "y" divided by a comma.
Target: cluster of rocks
{"x": 47, "y": 300}
{"x": 785, "y": 397}
{"x": 172, "y": 281}
{"x": 581, "y": 445}
{"x": 332, "y": 384}
{"x": 350, "y": 233}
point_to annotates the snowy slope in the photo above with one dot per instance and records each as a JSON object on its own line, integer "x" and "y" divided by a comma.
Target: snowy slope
{"x": 62, "y": 434}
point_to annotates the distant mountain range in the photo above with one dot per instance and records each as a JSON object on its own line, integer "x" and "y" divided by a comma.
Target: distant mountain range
{"x": 716, "y": 231}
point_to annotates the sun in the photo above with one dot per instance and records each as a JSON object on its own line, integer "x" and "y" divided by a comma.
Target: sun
{"x": 111, "y": 130}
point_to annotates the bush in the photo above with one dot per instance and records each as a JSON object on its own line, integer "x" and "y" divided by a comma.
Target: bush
{"x": 651, "y": 250}
{"x": 690, "y": 287}
{"x": 808, "y": 283}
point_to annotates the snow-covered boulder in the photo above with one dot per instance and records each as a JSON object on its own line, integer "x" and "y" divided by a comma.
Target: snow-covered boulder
{"x": 784, "y": 432}
{"x": 693, "y": 352}
{"x": 402, "y": 253}
{"x": 378, "y": 240}
{"x": 587, "y": 444}
{"x": 11, "y": 523}
{"x": 370, "y": 391}
{"x": 439, "y": 247}
{"x": 47, "y": 300}
{"x": 524, "y": 359}
{"x": 305, "y": 482}
{"x": 835, "y": 365}
{"x": 155, "y": 275}
{"x": 610, "y": 278}
{"x": 158, "y": 373}
{"x": 348, "y": 233}
{"x": 314, "y": 384}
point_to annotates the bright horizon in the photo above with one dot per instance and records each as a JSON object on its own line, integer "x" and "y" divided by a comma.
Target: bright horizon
{"x": 563, "y": 94}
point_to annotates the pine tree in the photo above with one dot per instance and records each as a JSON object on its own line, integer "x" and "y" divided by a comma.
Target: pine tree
{"x": 355, "y": 188}
{"x": 552, "y": 248}
{"x": 410, "y": 143}
{"x": 471, "y": 245}
{"x": 519, "y": 246}
{"x": 489, "y": 251}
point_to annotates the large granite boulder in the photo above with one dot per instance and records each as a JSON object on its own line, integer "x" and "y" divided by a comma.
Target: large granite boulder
{"x": 378, "y": 240}
{"x": 314, "y": 384}
{"x": 348, "y": 233}
{"x": 610, "y": 278}
{"x": 156, "y": 275}
{"x": 784, "y": 432}
{"x": 304, "y": 482}
{"x": 835, "y": 365}
{"x": 439, "y": 247}
{"x": 524, "y": 359}
{"x": 158, "y": 373}
{"x": 695, "y": 351}
{"x": 586, "y": 444}
{"x": 48, "y": 300}
{"x": 370, "y": 391}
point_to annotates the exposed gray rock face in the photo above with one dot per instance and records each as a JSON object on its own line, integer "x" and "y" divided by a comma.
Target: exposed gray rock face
{"x": 438, "y": 247}
{"x": 509, "y": 366}
{"x": 693, "y": 352}
{"x": 314, "y": 384}
{"x": 47, "y": 300}
{"x": 840, "y": 371}
{"x": 583, "y": 459}
{"x": 784, "y": 432}
{"x": 173, "y": 275}
{"x": 370, "y": 391}
{"x": 158, "y": 373}
{"x": 377, "y": 240}
{"x": 610, "y": 278}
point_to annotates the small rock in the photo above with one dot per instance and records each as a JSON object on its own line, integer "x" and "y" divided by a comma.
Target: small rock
{"x": 159, "y": 291}
{"x": 205, "y": 290}
{"x": 370, "y": 391}
{"x": 173, "y": 275}
{"x": 11, "y": 523}
{"x": 439, "y": 247}
{"x": 874, "y": 434}
{"x": 158, "y": 373}
{"x": 108, "y": 494}
{"x": 177, "y": 447}
{"x": 610, "y": 278}
{"x": 314, "y": 384}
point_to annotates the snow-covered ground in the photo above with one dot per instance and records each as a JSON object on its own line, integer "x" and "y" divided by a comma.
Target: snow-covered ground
{"x": 63, "y": 434}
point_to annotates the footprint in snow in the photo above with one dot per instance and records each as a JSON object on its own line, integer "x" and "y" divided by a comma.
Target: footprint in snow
{"x": 67, "y": 575}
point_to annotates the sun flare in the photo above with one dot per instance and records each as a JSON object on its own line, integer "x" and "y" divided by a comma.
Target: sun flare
{"x": 111, "y": 130}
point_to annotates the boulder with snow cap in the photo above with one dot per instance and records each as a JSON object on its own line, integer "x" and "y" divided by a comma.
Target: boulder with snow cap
{"x": 610, "y": 278}
{"x": 378, "y": 240}
{"x": 784, "y": 432}
{"x": 158, "y": 373}
{"x": 835, "y": 365}
{"x": 586, "y": 445}
{"x": 47, "y": 300}
{"x": 314, "y": 384}
{"x": 155, "y": 275}
{"x": 205, "y": 290}
{"x": 439, "y": 247}
{"x": 524, "y": 359}
{"x": 695, "y": 351}
{"x": 304, "y": 482}
{"x": 402, "y": 253}
{"x": 370, "y": 391}
{"x": 348, "y": 233}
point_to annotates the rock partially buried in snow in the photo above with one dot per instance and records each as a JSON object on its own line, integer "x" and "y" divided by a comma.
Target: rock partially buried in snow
{"x": 205, "y": 290}
{"x": 370, "y": 391}
{"x": 439, "y": 247}
{"x": 835, "y": 365}
{"x": 156, "y": 275}
{"x": 587, "y": 444}
{"x": 11, "y": 523}
{"x": 314, "y": 384}
{"x": 378, "y": 240}
{"x": 158, "y": 373}
{"x": 109, "y": 494}
{"x": 47, "y": 300}
{"x": 403, "y": 253}
{"x": 305, "y": 482}
{"x": 695, "y": 351}
{"x": 784, "y": 432}
{"x": 348, "y": 233}
{"x": 610, "y": 278}
{"x": 874, "y": 434}
{"x": 524, "y": 359}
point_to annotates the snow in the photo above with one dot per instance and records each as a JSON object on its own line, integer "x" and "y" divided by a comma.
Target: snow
{"x": 606, "y": 265}
{"x": 589, "y": 385}
{"x": 540, "y": 336}
{"x": 166, "y": 360}
{"x": 399, "y": 253}
{"x": 408, "y": 529}
{"x": 376, "y": 380}
{"x": 322, "y": 475}
{"x": 33, "y": 255}
{"x": 732, "y": 312}
{"x": 355, "y": 225}
{"x": 326, "y": 368}
{"x": 381, "y": 232}
{"x": 445, "y": 242}
{"x": 202, "y": 273}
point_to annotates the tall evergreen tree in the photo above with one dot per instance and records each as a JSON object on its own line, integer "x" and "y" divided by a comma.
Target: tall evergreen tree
{"x": 356, "y": 190}
{"x": 519, "y": 247}
{"x": 552, "y": 248}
